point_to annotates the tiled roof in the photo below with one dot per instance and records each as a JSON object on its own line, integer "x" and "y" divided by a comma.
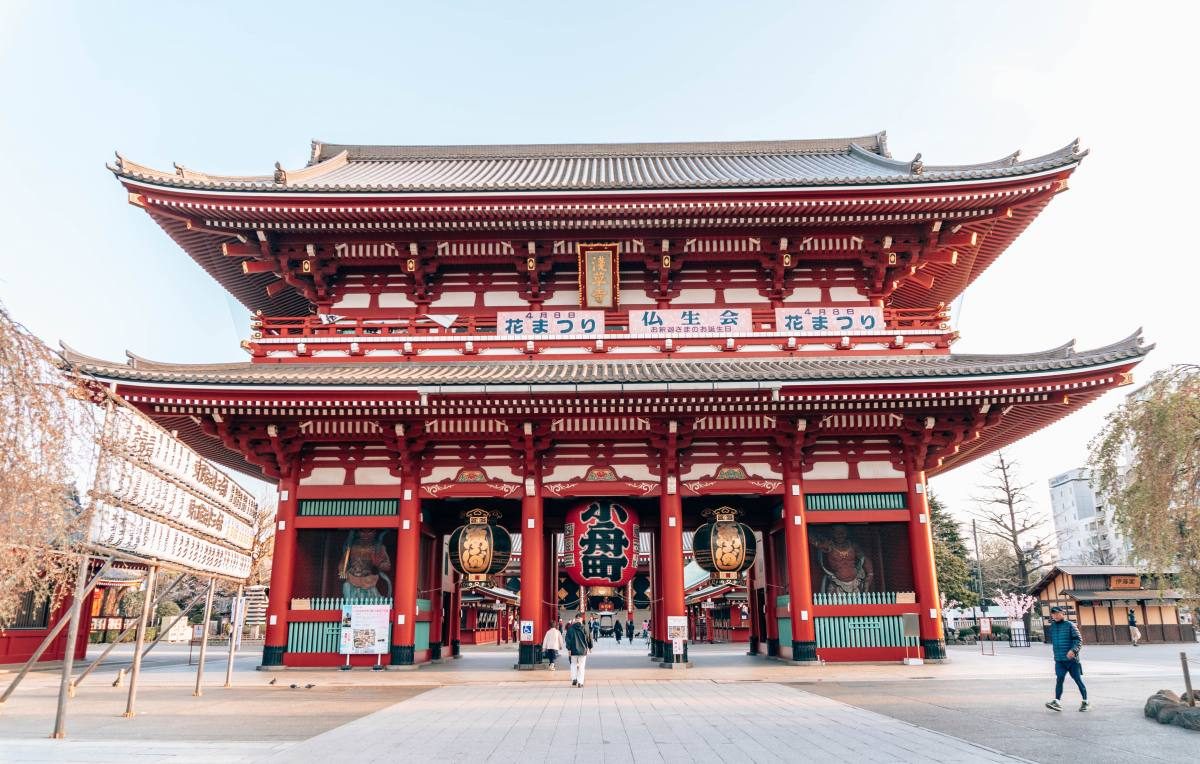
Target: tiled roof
{"x": 481, "y": 373}
{"x": 1122, "y": 594}
{"x": 600, "y": 167}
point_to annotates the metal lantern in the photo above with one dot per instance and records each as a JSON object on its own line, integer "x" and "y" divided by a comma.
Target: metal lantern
{"x": 600, "y": 544}
{"x": 724, "y": 547}
{"x": 479, "y": 550}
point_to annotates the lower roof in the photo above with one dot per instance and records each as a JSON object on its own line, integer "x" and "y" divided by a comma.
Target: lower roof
{"x": 472, "y": 375}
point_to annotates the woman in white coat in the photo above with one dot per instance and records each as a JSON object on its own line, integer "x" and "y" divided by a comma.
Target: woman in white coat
{"x": 552, "y": 645}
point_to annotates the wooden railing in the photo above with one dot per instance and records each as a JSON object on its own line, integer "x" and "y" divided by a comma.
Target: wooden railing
{"x": 304, "y": 336}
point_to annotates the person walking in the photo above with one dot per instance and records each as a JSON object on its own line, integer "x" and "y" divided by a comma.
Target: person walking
{"x": 1135, "y": 634}
{"x": 1066, "y": 643}
{"x": 618, "y": 630}
{"x": 579, "y": 644}
{"x": 595, "y": 630}
{"x": 552, "y": 645}
{"x": 629, "y": 630}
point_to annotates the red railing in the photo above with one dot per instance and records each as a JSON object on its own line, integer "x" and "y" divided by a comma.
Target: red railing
{"x": 307, "y": 336}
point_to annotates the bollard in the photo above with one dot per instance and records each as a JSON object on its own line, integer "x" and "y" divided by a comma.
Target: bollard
{"x": 1187, "y": 680}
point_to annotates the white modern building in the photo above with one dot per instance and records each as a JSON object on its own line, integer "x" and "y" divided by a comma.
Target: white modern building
{"x": 1085, "y": 530}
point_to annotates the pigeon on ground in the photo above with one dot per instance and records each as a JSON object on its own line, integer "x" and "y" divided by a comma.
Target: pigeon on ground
{"x": 309, "y": 686}
{"x": 293, "y": 686}
{"x": 273, "y": 681}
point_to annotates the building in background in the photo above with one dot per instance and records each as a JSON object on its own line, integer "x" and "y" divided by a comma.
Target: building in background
{"x": 1085, "y": 530}
{"x": 1099, "y": 597}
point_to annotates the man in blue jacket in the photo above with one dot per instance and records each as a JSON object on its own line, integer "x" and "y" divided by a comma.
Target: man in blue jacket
{"x": 1066, "y": 642}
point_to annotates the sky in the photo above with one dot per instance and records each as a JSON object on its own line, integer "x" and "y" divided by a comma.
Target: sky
{"x": 234, "y": 87}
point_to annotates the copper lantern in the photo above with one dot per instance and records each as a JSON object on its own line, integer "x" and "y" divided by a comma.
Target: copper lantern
{"x": 724, "y": 547}
{"x": 479, "y": 550}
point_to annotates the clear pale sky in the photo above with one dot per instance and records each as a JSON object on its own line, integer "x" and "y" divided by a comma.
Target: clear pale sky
{"x": 235, "y": 86}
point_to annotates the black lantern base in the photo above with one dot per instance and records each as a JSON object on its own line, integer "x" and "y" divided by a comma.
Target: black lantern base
{"x": 772, "y": 647}
{"x": 273, "y": 656}
{"x": 403, "y": 655}
{"x": 935, "y": 649}
{"x": 804, "y": 652}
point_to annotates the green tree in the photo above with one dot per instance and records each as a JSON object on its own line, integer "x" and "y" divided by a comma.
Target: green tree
{"x": 950, "y": 555}
{"x": 1146, "y": 461}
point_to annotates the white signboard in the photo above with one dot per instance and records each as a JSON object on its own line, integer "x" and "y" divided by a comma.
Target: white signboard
{"x": 155, "y": 497}
{"x": 526, "y": 631}
{"x": 366, "y": 629}
{"x": 534, "y": 324}
{"x": 685, "y": 321}
{"x": 677, "y": 627}
{"x": 829, "y": 319}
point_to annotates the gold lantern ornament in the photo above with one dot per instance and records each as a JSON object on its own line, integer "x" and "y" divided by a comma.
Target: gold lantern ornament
{"x": 479, "y": 549}
{"x": 724, "y": 547}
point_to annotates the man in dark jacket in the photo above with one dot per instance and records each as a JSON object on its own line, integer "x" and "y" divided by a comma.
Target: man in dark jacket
{"x": 629, "y": 630}
{"x": 579, "y": 644}
{"x": 1066, "y": 643}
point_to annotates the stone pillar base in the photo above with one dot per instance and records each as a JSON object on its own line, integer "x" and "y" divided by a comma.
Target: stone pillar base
{"x": 403, "y": 655}
{"x": 273, "y": 656}
{"x": 935, "y": 649}
{"x": 804, "y": 652}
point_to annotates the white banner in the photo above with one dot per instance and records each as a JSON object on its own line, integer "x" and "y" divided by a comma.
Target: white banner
{"x": 685, "y": 321}
{"x": 829, "y": 319}
{"x": 549, "y": 323}
{"x": 157, "y": 498}
{"x": 366, "y": 629}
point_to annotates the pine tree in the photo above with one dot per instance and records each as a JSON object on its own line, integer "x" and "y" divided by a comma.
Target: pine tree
{"x": 950, "y": 555}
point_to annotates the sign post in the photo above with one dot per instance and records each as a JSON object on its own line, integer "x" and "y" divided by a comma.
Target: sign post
{"x": 365, "y": 631}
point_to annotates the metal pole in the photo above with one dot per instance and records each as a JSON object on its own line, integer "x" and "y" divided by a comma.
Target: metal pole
{"x": 163, "y": 632}
{"x": 978, "y": 570}
{"x": 112, "y": 646}
{"x": 212, "y": 588}
{"x": 1187, "y": 680}
{"x": 58, "y": 627}
{"x": 136, "y": 670}
{"x": 64, "y": 684}
{"x": 234, "y": 626}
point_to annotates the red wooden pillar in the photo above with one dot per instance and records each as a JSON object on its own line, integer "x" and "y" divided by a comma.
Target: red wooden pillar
{"x": 283, "y": 567}
{"x": 752, "y": 604}
{"x": 656, "y": 619}
{"x": 436, "y": 627}
{"x": 920, "y": 544}
{"x": 408, "y": 568}
{"x": 795, "y": 528}
{"x": 532, "y": 571}
{"x": 550, "y": 588}
{"x": 671, "y": 569}
{"x": 455, "y": 616}
{"x": 770, "y": 594}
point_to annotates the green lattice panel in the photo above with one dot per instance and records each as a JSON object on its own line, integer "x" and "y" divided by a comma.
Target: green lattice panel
{"x": 829, "y": 502}
{"x": 348, "y": 507}
{"x": 784, "y": 621}
{"x": 314, "y": 637}
{"x": 860, "y": 631}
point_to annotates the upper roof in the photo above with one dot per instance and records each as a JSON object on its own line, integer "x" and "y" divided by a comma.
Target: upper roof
{"x": 352, "y": 168}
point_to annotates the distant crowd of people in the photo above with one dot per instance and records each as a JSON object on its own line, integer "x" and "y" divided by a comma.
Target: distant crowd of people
{"x": 579, "y": 637}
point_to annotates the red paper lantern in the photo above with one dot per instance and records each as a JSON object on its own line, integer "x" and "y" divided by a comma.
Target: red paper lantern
{"x": 600, "y": 543}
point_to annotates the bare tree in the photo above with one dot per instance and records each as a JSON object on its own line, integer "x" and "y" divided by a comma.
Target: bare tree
{"x": 45, "y": 436}
{"x": 1005, "y": 515}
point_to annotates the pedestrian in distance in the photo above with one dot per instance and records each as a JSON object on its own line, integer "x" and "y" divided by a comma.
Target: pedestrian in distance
{"x": 552, "y": 645}
{"x": 1066, "y": 642}
{"x": 1135, "y": 634}
{"x": 618, "y": 630}
{"x": 629, "y": 630}
{"x": 579, "y": 644}
{"x": 595, "y": 630}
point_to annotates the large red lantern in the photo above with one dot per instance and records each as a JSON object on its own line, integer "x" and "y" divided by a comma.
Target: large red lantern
{"x": 600, "y": 543}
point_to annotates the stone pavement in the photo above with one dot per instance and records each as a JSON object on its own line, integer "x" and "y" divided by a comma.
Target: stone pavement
{"x": 623, "y": 721}
{"x": 730, "y": 706}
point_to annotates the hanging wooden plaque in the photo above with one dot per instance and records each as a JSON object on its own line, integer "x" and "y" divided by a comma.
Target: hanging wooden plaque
{"x": 599, "y": 275}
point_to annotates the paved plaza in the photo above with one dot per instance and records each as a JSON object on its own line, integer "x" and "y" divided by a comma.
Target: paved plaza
{"x": 730, "y": 707}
